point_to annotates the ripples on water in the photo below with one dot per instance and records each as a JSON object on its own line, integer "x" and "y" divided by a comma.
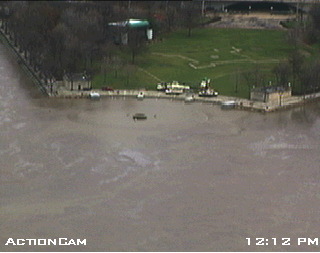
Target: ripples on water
{"x": 192, "y": 178}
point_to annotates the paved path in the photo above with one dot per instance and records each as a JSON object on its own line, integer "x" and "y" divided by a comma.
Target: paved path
{"x": 243, "y": 104}
{"x": 148, "y": 73}
{"x": 195, "y": 63}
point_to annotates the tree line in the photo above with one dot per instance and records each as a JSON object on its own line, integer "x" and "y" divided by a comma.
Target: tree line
{"x": 59, "y": 37}
{"x": 298, "y": 70}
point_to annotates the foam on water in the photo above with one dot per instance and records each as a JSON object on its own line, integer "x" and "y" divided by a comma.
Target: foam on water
{"x": 190, "y": 181}
{"x": 137, "y": 157}
{"x": 19, "y": 125}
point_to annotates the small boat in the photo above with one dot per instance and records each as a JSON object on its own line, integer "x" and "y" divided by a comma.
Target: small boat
{"x": 228, "y": 104}
{"x": 140, "y": 95}
{"x": 94, "y": 95}
{"x": 139, "y": 116}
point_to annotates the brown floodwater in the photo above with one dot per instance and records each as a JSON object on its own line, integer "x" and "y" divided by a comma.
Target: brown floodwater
{"x": 192, "y": 177}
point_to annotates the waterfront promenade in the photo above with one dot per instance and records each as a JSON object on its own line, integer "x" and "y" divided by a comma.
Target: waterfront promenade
{"x": 243, "y": 104}
{"x": 56, "y": 89}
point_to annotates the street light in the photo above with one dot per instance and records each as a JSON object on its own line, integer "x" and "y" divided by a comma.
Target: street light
{"x": 281, "y": 91}
{"x": 202, "y": 8}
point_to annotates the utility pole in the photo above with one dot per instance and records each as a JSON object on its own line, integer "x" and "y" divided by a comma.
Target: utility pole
{"x": 297, "y": 11}
{"x": 237, "y": 80}
{"x": 202, "y": 8}
{"x": 280, "y": 97}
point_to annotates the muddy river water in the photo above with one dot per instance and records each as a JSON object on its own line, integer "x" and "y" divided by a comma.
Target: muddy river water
{"x": 191, "y": 177}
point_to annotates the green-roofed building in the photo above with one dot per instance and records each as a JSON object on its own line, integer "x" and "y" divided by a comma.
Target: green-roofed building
{"x": 138, "y": 23}
{"x": 122, "y": 31}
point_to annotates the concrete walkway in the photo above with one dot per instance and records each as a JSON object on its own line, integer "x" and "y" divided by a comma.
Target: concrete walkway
{"x": 243, "y": 104}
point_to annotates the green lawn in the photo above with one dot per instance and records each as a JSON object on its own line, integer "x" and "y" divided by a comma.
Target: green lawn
{"x": 219, "y": 54}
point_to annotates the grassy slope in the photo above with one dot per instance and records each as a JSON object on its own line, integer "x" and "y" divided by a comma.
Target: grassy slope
{"x": 205, "y": 46}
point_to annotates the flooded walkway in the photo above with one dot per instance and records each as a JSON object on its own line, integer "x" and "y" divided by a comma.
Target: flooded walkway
{"x": 189, "y": 178}
{"x": 241, "y": 103}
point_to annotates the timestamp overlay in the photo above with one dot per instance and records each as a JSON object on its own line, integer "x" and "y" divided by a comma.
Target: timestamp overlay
{"x": 284, "y": 243}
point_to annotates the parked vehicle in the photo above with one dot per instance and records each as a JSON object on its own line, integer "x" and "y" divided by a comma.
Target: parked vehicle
{"x": 189, "y": 98}
{"x": 230, "y": 104}
{"x": 174, "y": 86}
{"x": 205, "y": 90}
{"x": 174, "y": 91}
{"x": 208, "y": 93}
{"x": 162, "y": 86}
{"x": 94, "y": 95}
{"x": 107, "y": 88}
{"x": 140, "y": 95}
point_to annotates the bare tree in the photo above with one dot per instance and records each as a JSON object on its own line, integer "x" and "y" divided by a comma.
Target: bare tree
{"x": 254, "y": 78}
{"x": 128, "y": 69}
{"x": 136, "y": 43}
{"x": 315, "y": 16}
{"x": 116, "y": 64}
{"x": 190, "y": 15}
{"x": 171, "y": 15}
{"x": 310, "y": 77}
{"x": 282, "y": 73}
{"x": 296, "y": 61}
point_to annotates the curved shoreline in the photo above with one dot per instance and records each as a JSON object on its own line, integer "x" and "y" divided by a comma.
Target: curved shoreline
{"x": 61, "y": 92}
{"x": 242, "y": 104}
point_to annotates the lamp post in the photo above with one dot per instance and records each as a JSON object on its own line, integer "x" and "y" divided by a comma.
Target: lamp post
{"x": 202, "y": 8}
{"x": 281, "y": 91}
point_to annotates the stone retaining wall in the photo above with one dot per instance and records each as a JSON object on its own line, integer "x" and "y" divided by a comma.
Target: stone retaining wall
{"x": 242, "y": 104}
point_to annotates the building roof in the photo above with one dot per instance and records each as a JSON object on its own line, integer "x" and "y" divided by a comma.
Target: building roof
{"x": 77, "y": 77}
{"x": 133, "y": 23}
